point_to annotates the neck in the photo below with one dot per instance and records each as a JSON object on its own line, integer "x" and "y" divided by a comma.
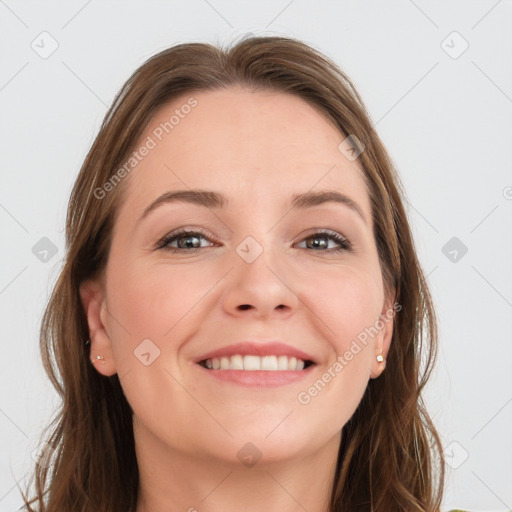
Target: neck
{"x": 173, "y": 479}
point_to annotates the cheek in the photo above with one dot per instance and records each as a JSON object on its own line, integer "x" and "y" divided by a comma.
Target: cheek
{"x": 160, "y": 304}
{"x": 346, "y": 301}
{"x": 347, "y": 305}
{"x": 157, "y": 302}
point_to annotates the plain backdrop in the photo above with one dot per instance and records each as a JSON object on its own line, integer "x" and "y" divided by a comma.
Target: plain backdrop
{"x": 436, "y": 78}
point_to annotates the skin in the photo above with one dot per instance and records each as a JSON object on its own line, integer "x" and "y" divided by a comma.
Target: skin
{"x": 258, "y": 149}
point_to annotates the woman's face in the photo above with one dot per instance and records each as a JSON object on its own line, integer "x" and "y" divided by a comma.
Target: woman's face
{"x": 253, "y": 270}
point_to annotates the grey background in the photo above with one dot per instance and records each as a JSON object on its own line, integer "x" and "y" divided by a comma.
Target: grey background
{"x": 444, "y": 115}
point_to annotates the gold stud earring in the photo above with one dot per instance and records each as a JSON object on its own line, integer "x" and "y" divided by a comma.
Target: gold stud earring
{"x": 98, "y": 358}
{"x": 380, "y": 358}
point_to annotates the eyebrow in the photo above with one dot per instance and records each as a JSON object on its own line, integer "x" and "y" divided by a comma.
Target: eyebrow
{"x": 216, "y": 200}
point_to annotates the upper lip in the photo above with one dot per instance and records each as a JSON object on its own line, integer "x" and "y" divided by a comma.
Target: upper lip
{"x": 257, "y": 349}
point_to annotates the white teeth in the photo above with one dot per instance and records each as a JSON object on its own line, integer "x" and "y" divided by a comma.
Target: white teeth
{"x": 282, "y": 362}
{"x": 237, "y": 362}
{"x": 268, "y": 362}
{"x": 251, "y": 363}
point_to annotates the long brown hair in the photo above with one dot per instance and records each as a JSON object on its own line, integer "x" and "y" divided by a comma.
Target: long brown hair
{"x": 390, "y": 457}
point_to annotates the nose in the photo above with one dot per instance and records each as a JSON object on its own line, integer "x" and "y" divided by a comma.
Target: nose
{"x": 261, "y": 289}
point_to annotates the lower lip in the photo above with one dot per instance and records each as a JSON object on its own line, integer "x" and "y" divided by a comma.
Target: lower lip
{"x": 258, "y": 378}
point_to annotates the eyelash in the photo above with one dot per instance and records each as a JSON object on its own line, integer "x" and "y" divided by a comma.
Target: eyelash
{"x": 344, "y": 243}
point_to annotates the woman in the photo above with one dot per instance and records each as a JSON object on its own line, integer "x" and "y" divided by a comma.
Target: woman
{"x": 241, "y": 315}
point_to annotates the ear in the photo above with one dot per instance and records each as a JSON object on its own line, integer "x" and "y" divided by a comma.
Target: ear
{"x": 93, "y": 299}
{"x": 385, "y": 325}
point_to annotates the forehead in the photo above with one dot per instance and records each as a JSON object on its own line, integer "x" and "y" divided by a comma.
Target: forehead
{"x": 261, "y": 146}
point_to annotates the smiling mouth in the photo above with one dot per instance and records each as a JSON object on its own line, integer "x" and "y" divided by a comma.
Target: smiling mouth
{"x": 255, "y": 363}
